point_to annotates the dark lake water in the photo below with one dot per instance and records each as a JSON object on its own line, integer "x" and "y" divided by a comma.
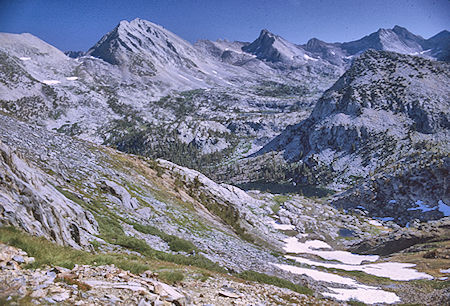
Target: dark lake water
{"x": 285, "y": 188}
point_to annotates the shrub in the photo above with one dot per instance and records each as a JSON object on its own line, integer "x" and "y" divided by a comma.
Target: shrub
{"x": 171, "y": 277}
{"x": 275, "y": 208}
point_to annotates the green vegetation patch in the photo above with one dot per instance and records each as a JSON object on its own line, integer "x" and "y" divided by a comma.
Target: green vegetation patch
{"x": 111, "y": 231}
{"x": 49, "y": 253}
{"x": 273, "y": 280}
{"x": 171, "y": 277}
{"x": 227, "y": 213}
{"x": 274, "y": 89}
{"x": 176, "y": 244}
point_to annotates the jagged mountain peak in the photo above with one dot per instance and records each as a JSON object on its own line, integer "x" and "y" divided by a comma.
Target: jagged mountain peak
{"x": 273, "y": 48}
{"x": 439, "y": 45}
{"x": 330, "y": 52}
{"x": 140, "y": 37}
{"x": 406, "y": 34}
{"x": 397, "y": 39}
{"x": 442, "y": 34}
{"x": 401, "y": 30}
{"x": 441, "y": 39}
{"x": 267, "y": 38}
{"x": 139, "y": 24}
{"x": 266, "y": 32}
{"x": 382, "y": 81}
{"x": 315, "y": 43}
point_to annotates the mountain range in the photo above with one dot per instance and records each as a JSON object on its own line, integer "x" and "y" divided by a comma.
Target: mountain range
{"x": 143, "y": 73}
{"x": 264, "y": 160}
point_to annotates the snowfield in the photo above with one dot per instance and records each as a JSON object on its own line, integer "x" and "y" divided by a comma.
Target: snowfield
{"x": 283, "y": 227}
{"x": 312, "y": 246}
{"x": 363, "y": 293}
{"x": 51, "y": 82}
{"x": 444, "y": 208}
{"x": 375, "y": 222}
{"x": 393, "y": 270}
{"x": 349, "y": 262}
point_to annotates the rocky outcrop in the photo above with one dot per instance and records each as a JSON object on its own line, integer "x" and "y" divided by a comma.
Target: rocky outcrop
{"x": 401, "y": 239}
{"x": 413, "y": 188}
{"x": 110, "y": 285}
{"x": 385, "y": 105}
{"x": 75, "y": 54}
{"x": 397, "y": 39}
{"x": 29, "y": 200}
{"x": 273, "y": 48}
{"x": 99, "y": 285}
{"x": 121, "y": 193}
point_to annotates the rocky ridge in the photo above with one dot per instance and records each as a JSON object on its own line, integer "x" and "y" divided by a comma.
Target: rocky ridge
{"x": 143, "y": 80}
{"x": 385, "y": 118}
{"x": 381, "y": 128}
{"x": 30, "y": 200}
{"x": 157, "y": 209}
{"x": 129, "y": 76}
{"x": 100, "y": 285}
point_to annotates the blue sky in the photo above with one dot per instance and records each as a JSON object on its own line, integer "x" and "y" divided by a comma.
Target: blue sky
{"x": 78, "y": 24}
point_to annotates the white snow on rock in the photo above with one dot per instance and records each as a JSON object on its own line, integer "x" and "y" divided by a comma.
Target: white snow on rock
{"x": 295, "y": 246}
{"x": 318, "y": 275}
{"x": 25, "y": 58}
{"x": 51, "y": 82}
{"x": 393, "y": 270}
{"x": 445, "y": 271}
{"x": 444, "y": 208}
{"x": 283, "y": 227}
{"x": 72, "y": 78}
{"x": 363, "y": 293}
{"x": 421, "y": 206}
{"x": 312, "y": 246}
{"x": 385, "y": 218}
{"x": 309, "y": 58}
{"x": 375, "y": 222}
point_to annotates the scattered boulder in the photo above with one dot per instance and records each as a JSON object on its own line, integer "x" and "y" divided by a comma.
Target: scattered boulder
{"x": 121, "y": 193}
{"x": 401, "y": 239}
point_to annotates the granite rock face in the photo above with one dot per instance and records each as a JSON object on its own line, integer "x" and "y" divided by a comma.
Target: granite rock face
{"x": 402, "y": 239}
{"x": 213, "y": 99}
{"x": 385, "y": 119}
{"x": 29, "y": 200}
